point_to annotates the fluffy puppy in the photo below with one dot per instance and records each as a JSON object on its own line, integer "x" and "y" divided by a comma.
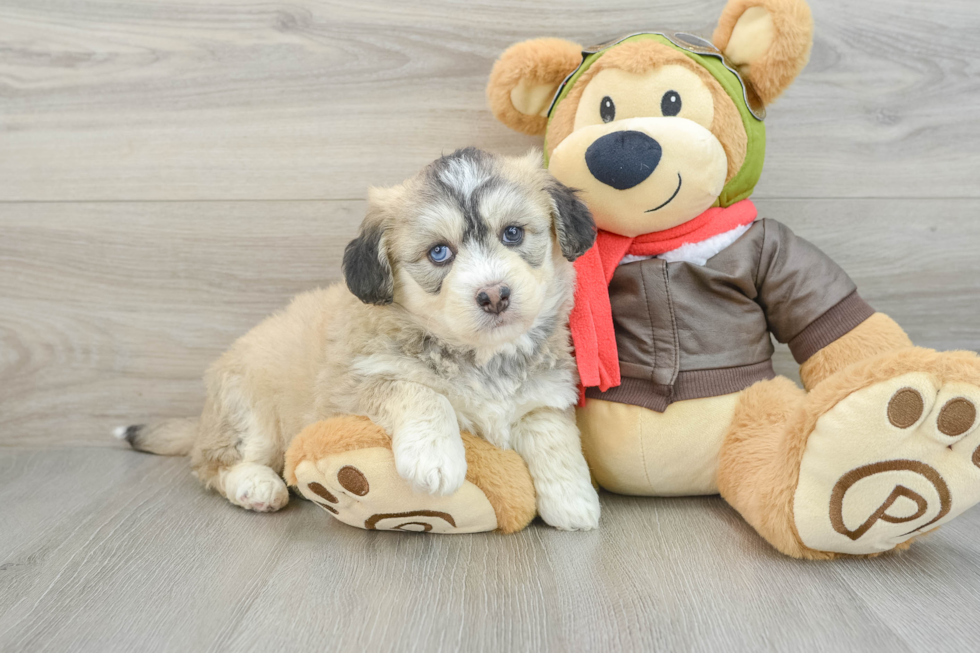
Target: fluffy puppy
{"x": 454, "y": 318}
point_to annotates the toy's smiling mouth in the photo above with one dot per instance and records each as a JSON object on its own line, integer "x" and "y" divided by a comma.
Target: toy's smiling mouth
{"x": 679, "y": 183}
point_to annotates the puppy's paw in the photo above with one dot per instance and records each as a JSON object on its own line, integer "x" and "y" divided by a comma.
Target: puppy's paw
{"x": 434, "y": 465}
{"x": 255, "y": 487}
{"x": 570, "y": 508}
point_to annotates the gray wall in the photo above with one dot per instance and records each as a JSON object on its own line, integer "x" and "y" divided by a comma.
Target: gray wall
{"x": 172, "y": 172}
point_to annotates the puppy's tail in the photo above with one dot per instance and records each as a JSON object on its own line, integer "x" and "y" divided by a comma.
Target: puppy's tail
{"x": 171, "y": 437}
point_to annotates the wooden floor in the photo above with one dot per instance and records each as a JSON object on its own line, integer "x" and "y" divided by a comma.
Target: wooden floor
{"x": 108, "y": 550}
{"x": 173, "y": 170}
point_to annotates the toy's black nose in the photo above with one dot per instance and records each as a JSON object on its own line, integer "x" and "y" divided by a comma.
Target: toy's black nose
{"x": 623, "y": 159}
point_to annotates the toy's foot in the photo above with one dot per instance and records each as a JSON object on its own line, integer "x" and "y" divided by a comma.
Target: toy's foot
{"x": 362, "y": 488}
{"x": 894, "y": 459}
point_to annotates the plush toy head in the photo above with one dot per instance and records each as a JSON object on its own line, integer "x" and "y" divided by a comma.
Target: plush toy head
{"x": 656, "y": 128}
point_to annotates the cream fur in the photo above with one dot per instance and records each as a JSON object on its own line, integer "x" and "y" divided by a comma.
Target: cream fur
{"x": 427, "y": 365}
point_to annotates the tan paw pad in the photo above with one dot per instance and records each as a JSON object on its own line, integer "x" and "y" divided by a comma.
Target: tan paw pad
{"x": 362, "y": 488}
{"x": 905, "y": 408}
{"x": 956, "y": 415}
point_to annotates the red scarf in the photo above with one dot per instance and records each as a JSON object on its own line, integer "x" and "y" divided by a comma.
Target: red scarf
{"x": 591, "y": 319}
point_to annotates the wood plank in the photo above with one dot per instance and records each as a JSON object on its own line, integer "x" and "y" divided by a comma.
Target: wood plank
{"x": 133, "y": 555}
{"x": 243, "y": 99}
{"x": 112, "y": 311}
{"x": 98, "y": 295}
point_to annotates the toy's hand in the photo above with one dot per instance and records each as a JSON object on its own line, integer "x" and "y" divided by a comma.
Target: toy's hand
{"x": 549, "y": 441}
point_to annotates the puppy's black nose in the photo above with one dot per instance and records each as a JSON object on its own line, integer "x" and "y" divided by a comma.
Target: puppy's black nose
{"x": 494, "y": 299}
{"x": 623, "y": 159}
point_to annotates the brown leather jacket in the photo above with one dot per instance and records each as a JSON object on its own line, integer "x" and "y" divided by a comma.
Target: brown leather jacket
{"x": 686, "y": 331}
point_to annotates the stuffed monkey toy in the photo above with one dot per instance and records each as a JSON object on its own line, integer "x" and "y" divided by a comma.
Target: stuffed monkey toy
{"x": 663, "y": 134}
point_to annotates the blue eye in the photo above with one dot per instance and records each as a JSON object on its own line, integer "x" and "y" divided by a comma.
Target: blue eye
{"x": 512, "y": 235}
{"x": 440, "y": 254}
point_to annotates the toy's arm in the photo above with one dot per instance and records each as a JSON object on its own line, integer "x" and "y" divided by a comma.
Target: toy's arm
{"x": 876, "y": 335}
{"x": 813, "y": 305}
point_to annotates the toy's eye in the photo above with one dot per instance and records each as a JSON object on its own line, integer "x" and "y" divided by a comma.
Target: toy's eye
{"x": 440, "y": 254}
{"x": 607, "y": 109}
{"x": 512, "y": 235}
{"x": 670, "y": 103}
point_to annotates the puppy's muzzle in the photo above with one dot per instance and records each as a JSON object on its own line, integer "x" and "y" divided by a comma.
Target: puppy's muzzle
{"x": 623, "y": 159}
{"x": 493, "y": 299}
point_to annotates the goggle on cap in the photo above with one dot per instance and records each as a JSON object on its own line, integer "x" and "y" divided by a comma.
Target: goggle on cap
{"x": 750, "y": 108}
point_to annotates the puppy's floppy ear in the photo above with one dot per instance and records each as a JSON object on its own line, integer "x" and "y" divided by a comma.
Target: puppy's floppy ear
{"x": 573, "y": 221}
{"x": 366, "y": 267}
{"x": 768, "y": 40}
{"x": 524, "y": 81}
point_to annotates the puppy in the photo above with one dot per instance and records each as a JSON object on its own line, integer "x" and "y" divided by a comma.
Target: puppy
{"x": 454, "y": 317}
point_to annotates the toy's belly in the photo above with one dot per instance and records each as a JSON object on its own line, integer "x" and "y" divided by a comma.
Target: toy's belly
{"x": 634, "y": 450}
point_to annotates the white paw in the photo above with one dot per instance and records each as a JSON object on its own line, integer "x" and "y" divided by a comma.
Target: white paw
{"x": 255, "y": 487}
{"x": 435, "y": 465}
{"x": 570, "y": 509}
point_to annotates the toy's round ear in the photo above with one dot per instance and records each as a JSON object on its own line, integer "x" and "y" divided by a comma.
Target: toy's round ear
{"x": 768, "y": 40}
{"x": 524, "y": 81}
